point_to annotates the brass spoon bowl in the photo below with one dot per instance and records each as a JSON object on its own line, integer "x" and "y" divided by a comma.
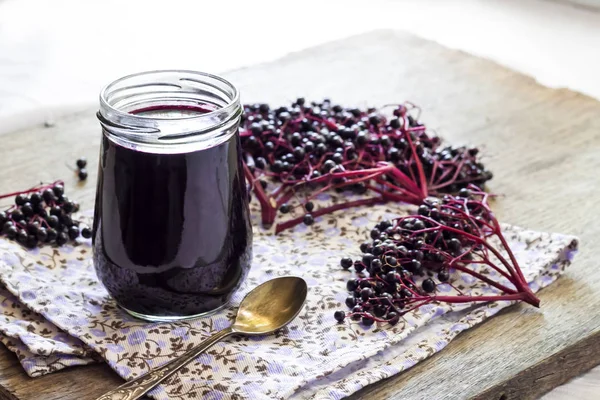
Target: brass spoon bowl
{"x": 267, "y": 308}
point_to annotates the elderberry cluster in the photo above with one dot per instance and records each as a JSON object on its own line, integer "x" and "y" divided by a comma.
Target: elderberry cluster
{"x": 42, "y": 217}
{"x": 407, "y": 258}
{"x": 305, "y": 141}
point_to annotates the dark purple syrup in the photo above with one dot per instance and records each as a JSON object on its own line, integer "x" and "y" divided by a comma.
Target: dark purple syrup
{"x": 172, "y": 234}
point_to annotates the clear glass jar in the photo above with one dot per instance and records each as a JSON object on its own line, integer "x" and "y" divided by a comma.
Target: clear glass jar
{"x": 172, "y": 237}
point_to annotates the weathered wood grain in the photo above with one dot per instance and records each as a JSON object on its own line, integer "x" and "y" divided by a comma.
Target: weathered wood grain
{"x": 542, "y": 144}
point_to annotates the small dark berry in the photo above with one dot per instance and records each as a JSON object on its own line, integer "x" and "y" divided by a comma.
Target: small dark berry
{"x": 58, "y": 190}
{"x": 32, "y": 227}
{"x": 350, "y": 301}
{"x": 285, "y": 208}
{"x": 62, "y": 238}
{"x": 31, "y": 241}
{"x": 375, "y": 233}
{"x": 453, "y": 244}
{"x": 35, "y": 199}
{"x": 73, "y": 232}
{"x": 20, "y": 199}
{"x": 51, "y": 234}
{"x": 346, "y": 262}
{"x": 367, "y": 320}
{"x": 17, "y": 215}
{"x": 358, "y": 266}
{"x": 48, "y": 195}
{"x": 364, "y": 247}
{"x": 86, "y": 232}
{"x": 27, "y": 209}
{"x": 56, "y": 210}
{"x": 68, "y": 206}
{"x": 404, "y": 293}
{"x": 11, "y": 232}
{"x": 22, "y": 236}
{"x": 367, "y": 258}
{"x": 339, "y": 316}
{"x": 81, "y": 163}
{"x": 393, "y": 318}
{"x": 366, "y": 293}
{"x": 309, "y": 206}
{"x": 7, "y": 226}
{"x": 42, "y": 234}
{"x": 53, "y": 221}
{"x": 379, "y": 311}
{"x": 443, "y": 275}
{"x": 429, "y": 285}
{"x": 351, "y": 285}
{"x": 376, "y": 263}
{"x": 308, "y": 219}
{"x": 82, "y": 174}
{"x": 356, "y": 311}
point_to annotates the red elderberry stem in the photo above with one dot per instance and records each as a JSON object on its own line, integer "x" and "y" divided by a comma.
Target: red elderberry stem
{"x": 267, "y": 205}
{"x": 33, "y": 189}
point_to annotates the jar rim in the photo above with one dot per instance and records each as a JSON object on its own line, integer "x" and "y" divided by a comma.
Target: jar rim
{"x": 103, "y": 93}
{"x": 174, "y": 88}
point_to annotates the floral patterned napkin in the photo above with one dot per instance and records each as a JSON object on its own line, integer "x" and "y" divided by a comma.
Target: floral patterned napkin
{"x": 54, "y": 314}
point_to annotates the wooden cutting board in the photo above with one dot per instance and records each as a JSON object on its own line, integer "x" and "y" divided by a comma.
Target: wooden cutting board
{"x": 542, "y": 144}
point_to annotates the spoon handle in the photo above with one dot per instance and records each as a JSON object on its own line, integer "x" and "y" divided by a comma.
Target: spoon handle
{"x": 137, "y": 387}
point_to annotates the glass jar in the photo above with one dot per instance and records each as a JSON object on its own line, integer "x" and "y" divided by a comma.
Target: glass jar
{"x": 172, "y": 237}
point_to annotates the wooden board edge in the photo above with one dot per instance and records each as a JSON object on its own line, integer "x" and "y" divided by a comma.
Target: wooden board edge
{"x": 535, "y": 381}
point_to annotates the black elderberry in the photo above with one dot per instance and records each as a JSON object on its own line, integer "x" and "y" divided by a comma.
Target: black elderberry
{"x": 61, "y": 238}
{"x": 393, "y": 318}
{"x": 366, "y": 293}
{"x": 35, "y": 199}
{"x": 73, "y": 232}
{"x": 48, "y": 196}
{"x": 364, "y": 284}
{"x": 51, "y": 234}
{"x": 17, "y": 215}
{"x": 58, "y": 190}
{"x": 357, "y": 310}
{"x": 405, "y": 293}
{"x": 308, "y": 219}
{"x": 53, "y": 221}
{"x": 443, "y": 275}
{"x": 81, "y": 162}
{"x": 358, "y": 266}
{"x": 339, "y": 316}
{"x": 346, "y": 263}
{"x": 21, "y": 199}
{"x": 351, "y": 285}
{"x": 379, "y": 311}
{"x": 367, "y": 258}
{"x": 285, "y": 208}
{"x": 22, "y": 236}
{"x": 367, "y": 320}
{"x": 428, "y": 285}
{"x": 42, "y": 234}
{"x": 11, "y": 232}
{"x": 31, "y": 241}
{"x": 7, "y": 225}
{"x": 365, "y": 247}
{"x": 350, "y": 301}
{"x": 27, "y": 209}
{"x": 453, "y": 245}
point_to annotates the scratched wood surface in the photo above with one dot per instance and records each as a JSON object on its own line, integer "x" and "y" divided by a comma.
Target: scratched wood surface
{"x": 542, "y": 144}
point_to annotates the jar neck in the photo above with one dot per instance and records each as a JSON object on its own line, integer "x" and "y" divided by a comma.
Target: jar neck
{"x": 170, "y": 111}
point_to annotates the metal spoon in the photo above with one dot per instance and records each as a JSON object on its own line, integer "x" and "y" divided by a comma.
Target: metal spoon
{"x": 270, "y": 306}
